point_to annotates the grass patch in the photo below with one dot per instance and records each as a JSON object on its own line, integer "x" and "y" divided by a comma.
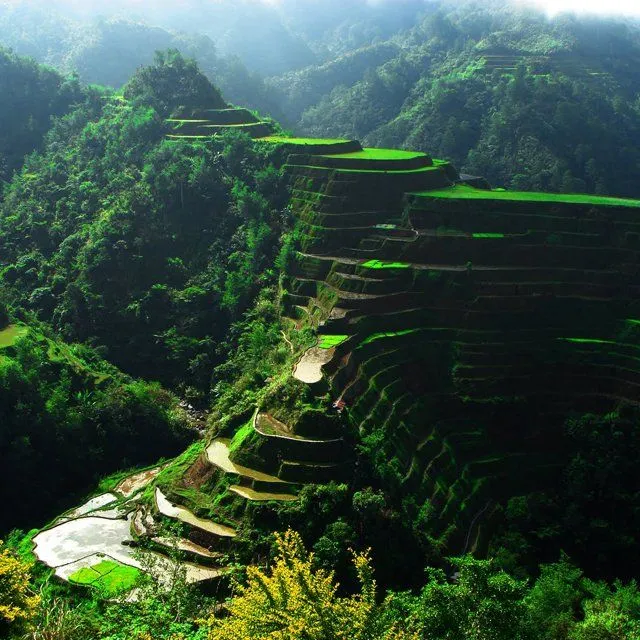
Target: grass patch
{"x": 393, "y": 172}
{"x": 240, "y": 436}
{"x": 62, "y": 353}
{"x": 381, "y": 264}
{"x": 379, "y": 154}
{"x": 328, "y": 341}
{"x": 465, "y": 192}
{"x": 109, "y": 483}
{"x": 108, "y": 576}
{"x": 304, "y": 141}
{"x": 186, "y": 137}
{"x": 587, "y": 341}
{"x": 488, "y": 235}
{"x": 10, "y": 335}
{"x": 389, "y": 334}
{"x": 173, "y": 473}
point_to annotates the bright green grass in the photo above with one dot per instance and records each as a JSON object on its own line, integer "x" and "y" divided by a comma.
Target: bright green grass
{"x": 61, "y": 352}
{"x": 393, "y": 172}
{"x": 379, "y": 154}
{"x": 108, "y": 576}
{"x": 237, "y": 125}
{"x": 587, "y": 341}
{"x": 465, "y": 192}
{"x": 390, "y": 334}
{"x": 303, "y": 141}
{"x": 633, "y": 321}
{"x": 328, "y": 342}
{"x": 10, "y": 335}
{"x": 488, "y": 235}
{"x": 240, "y": 436}
{"x": 385, "y": 226}
{"x": 380, "y": 264}
{"x": 56, "y": 351}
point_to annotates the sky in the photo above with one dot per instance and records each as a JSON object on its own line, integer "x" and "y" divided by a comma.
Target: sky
{"x": 600, "y": 7}
{"x": 551, "y": 7}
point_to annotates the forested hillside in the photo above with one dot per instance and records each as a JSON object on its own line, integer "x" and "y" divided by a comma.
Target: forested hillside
{"x": 107, "y": 51}
{"x": 527, "y": 102}
{"x": 502, "y": 92}
{"x": 30, "y": 97}
{"x": 68, "y": 418}
{"x": 147, "y": 249}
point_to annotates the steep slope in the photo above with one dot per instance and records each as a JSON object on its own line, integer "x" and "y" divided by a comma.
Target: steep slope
{"x": 452, "y": 330}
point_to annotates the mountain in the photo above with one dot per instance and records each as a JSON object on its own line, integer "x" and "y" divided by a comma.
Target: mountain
{"x": 107, "y": 51}
{"x": 498, "y": 91}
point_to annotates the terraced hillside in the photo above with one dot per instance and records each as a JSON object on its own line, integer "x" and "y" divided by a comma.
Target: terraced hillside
{"x": 459, "y": 327}
{"x": 202, "y": 123}
{"x": 456, "y": 328}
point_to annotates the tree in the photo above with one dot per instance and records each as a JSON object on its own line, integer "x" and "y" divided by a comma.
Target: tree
{"x": 480, "y": 602}
{"x": 295, "y": 602}
{"x": 173, "y": 81}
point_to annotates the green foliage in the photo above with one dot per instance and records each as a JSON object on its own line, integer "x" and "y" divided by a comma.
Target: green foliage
{"x": 31, "y": 96}
{"x": 61, "y": 430}
{"x": 582, "y": 516}
{"x": 498, "y": 90}
{"x": 153, "y": 248}
{"x": 172, "y": 82}
{"x": 481, "y": 602}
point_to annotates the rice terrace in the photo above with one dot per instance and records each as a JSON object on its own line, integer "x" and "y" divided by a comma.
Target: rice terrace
{"x": 319, "y": 321}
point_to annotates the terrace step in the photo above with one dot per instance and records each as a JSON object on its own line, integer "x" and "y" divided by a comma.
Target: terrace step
{"x": 218, "y": 455}
{"x": 312, "y": 472}
{"x": 261, "y": 496}
{"x": 175, "y": 512}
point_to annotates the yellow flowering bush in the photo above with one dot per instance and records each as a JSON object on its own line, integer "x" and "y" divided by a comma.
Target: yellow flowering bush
{"x": 297, "y": 602}
{"x": 17, "y": 602}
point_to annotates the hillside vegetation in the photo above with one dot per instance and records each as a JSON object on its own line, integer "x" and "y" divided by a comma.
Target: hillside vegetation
{"x": 32, "y": 96}
{"x": 527, "y": 102}
{"x": 147, "y": 248}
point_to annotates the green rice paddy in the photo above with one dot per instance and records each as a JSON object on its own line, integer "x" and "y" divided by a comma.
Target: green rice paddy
{"x": 10, "y": 335}
{"x": 388, "y": 334}
{"x": 587, "y": 341}
{"x": 381, "y": 264}
{"x": 379, "y": 154}
{"x": 303, "y": 141}
{"x": 465, "y": 192}
{"x": 173, "y": 136}
{"x": 328, "y": 342}
{"x": 393, "y": 172}
{"x": 108, "y": 576}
